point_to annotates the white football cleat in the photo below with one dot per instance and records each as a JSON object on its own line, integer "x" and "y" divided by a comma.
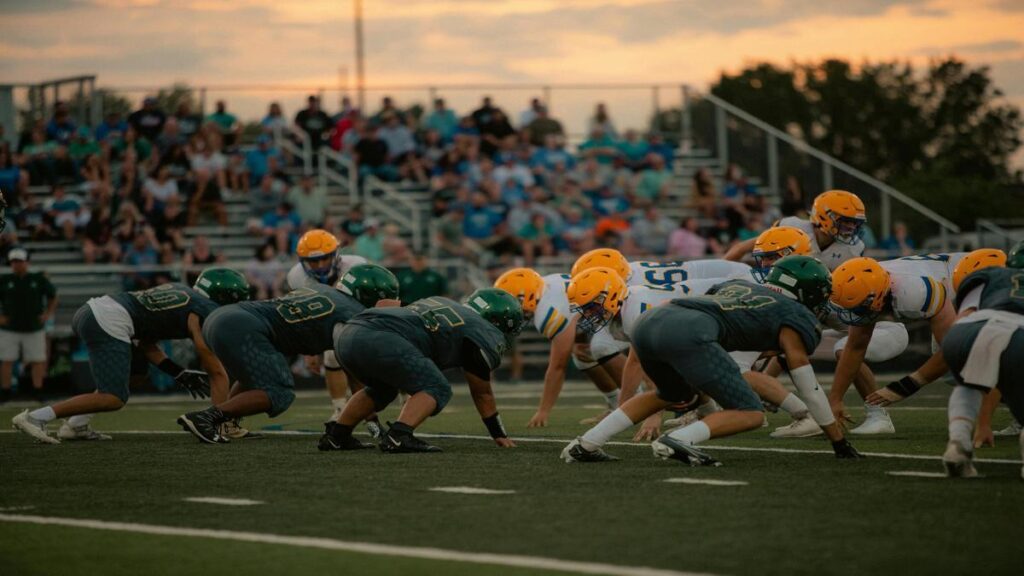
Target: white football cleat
{"x": 83, "y": 432}
{"x": 1012, "y": 430}
{"x": 958, "y": 462}
{"x": 800, "y": 428}
{"x": 876, "y": 421}
{"x": 33, "y": 428}
{"x": 684, "y": 420}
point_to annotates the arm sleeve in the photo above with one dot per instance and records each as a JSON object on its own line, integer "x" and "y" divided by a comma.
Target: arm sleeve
{"x": 476, "y": 361}
{"x": 972, "y": 299}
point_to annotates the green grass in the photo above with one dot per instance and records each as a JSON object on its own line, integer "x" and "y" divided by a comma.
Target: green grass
{"x": 800, "y": 513}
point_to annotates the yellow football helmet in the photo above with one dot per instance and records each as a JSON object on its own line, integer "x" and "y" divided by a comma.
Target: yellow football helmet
{"x": 525, "y": 284}
{"x": 596, "y": 295}
{"x": 860, "y": 289}
{"x": 602, "y": 257}
{"x": 840, "y": 214}
{"x": 977, "y": 260}
{"x": 318, "y": 251}
{"x": 776, "y": 243}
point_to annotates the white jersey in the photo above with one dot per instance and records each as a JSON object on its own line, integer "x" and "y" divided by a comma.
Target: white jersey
{"x": 643, "y": 298}
{"x": 553, "y": 313}
{"x": 835, "y": 255}
{"x": 646, "y": 273}
{"x": 920, "y": 285}
{"x": 299, "y": 278}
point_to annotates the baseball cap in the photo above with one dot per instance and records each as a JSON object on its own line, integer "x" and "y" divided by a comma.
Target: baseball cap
{"x": 17, "y": 254}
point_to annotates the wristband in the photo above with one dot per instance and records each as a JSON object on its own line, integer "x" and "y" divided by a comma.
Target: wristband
{"x": 904, "y": 386}
{"x": 495, "y": 427}
{"x": 168, "y": 367}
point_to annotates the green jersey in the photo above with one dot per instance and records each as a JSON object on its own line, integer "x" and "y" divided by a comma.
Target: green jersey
{"x": 441, "y": 328}
{"x": 24, "y": 299}
{"x": 162, "y": 313}
{"x": 1003, "y": 289}
{"x": 415, "y": 286}
{"x": 302, "y": 321}
{"x": 751, "y": 316}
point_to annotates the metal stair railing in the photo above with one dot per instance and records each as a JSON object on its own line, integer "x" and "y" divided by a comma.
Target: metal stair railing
{"x": 1007, "y": 238}
{"x": 349, "y": 181}
{"x": 304, "y": 150}
{"x": 381, "y": 197}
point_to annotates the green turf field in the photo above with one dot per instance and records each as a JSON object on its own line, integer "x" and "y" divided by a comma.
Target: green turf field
{"x": 800, "y": 511}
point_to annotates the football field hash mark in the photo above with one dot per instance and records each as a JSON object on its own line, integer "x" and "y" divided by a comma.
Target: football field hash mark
{"x": 706, "y": 481}
{"x": 916, "y": 474}
{"x": 469, "y": 490}
{"x": 222, "y": 501}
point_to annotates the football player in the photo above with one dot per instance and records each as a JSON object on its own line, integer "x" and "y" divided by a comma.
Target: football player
{"x": 122, "y": 332}
{"x": 405, "y": 349}
{"x": 646, "y": 273}
{"x": 321, "y": 263}
{"x": 983, "y": 349}
{"x": 865, "y": 292}
{"x": 734, "y": 315}
{"x": 252, "y": 339}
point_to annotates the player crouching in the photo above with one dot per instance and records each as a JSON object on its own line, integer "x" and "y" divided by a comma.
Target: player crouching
{"x": 683, "y": 348}
{"x": 392, "y": 350}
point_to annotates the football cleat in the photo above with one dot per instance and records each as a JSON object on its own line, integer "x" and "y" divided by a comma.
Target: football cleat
{"x": 667, "y": 447}
{"x": 1013, "y": 429}
{"x": 83, "y": 432}
{"x": 575, "y": 452}
{"x": 396, "y": 442}
{"x": 32, "y": 427}
{"x": 800, "y": 428}
{"x": 332, "y": 439}
{"x": 374, "y": 429}
{"x": 233, "y": 430}
{"x": 685, "y": 419}
{"x": 959, "y": 463}
{"x": 876, "y": 421}
{"x": 203, "y": 425}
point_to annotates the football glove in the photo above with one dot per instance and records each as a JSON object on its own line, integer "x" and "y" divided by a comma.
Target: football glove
{"x": 196, "y": 382}
{"x": 845, "y": 451}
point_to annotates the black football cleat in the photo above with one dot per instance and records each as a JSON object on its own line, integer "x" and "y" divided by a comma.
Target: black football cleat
{"x": 204, "y": 424}
{"x": 398, "y": 442}
{"x": 575, "y": 452}
{"x": 667, "y": 447}
{"x": 334, "y": 439}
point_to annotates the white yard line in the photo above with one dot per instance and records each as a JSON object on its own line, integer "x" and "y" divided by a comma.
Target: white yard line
{"x": 706, "y": 481}
{"x": 469, "y": 490}
{"x": 916, "y": 474}
{"x": 439, "y": 554}
{"x": 222, "y": 501}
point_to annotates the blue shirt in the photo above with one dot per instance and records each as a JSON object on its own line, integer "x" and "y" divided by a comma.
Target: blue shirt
{"x": 480, "y": 223}
{"x": 257, "y": 159}
{"x": 549, "y": 158}
{"x": 60, "y": 132}
{"x": 273, "y": 219}
{"x": 609, "y": 206}
{"x": 105, "y": 130}
{"x": 443, "y": 122}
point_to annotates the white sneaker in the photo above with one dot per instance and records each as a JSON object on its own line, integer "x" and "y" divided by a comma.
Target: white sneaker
{"x": 958, "y": 462}
{"x": 684, "y": 420}
{"x": 83, "y": 432}
{"x": 32, "y": 427}
{"x": 1012, "y": 430}
{"x": 876, "y": 421}
{"x": 801, "y": 428}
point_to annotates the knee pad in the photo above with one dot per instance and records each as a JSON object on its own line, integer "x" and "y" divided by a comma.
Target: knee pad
{"x": 441, "y": 395}
{"x": 889, "y": 340}
{"x": 744, "y": 360}
{"x": 584, "y": 364}
{"x": 280, "y": 400}
{"x": 331, "y": 361}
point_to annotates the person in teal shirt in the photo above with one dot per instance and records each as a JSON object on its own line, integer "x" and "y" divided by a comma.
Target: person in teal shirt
{"x": 227, "y": 124}
{"x": 370, "y": 244}
{"x": 442, "y": 120}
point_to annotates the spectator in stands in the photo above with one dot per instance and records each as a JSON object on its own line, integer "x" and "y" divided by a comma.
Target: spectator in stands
{"x": 353, "y": 225}
{"x": 66, "y": 211}
{"x": 158, "y": 189}
{"x": 449, "y": 238}
{"x": 188, "y": 123}
{"x": 600, "y": 146}
{"x": 497, "y": 134}
{"x": 99, "y": 244}
{"x": 81, "y": 145}
{"x": 310, "y": 202}
{"x": 64, "y": 169}
{"x": 654, "y": 181}
{"x": 142, "y": 252}
{"x": 257, "y": 159}
{"x": 140, "y": 148}
{"x": 39, "y": 158}
{"x": 226, "y": 124}
{"x": 601, "y": 121}
{"x": 111, "y": 131}
{"x": 608, "y": 201}
{"x": 282, "y": 227}
{"x": 149, "y": 120}
{"x": 344, "y": 124}
{"x": 401, "y": 147}
{"x": 274, "y": 122}
{"x": 543, "y": 126}
{"x": 656, "y": 145}
{"x": 430, "y": 151}
{"x": 512, "y": 178}
{"x": 13, "y": 180}
{"x": 633, "y": 150}
{"x": 371, "y": 155}
{"x": 578, "y": 233}
{"x": 353, "y": 135}
{"x": 209, "y": 169}
{"x": 467, "y": 135}
{"x": 442, "y": 120}
{"x": 396, "y": 249}
{"x": 61, "y": 127}
{"x": 537, "y": 237}
{"x": 482, "y": 115}
{"x": 388, "y": 108}
{"x": 237, "y": 172}
{"x": 613, "y": 226}
{"x": 29, "y": 301}
{"x": 702, "y": 194}
{"x": 530, "y": 114}
{"x": 686, "y": 242}
{"x": 265, "y": 199}
{"x": 34, "y": 219}
{"x": 418, "y": 281}
{"x": 198, "y": 257}
{"x": 126, "y": 184}
{"x": 649, "y": 234}
{"x": 899, "y": 243}
{"x": 265, "y": 272}
{"x": 547, "y": 160}
{"x": 169, "y": 225}
{"x": 370, "y": 244}
{"x": 128, "y": 223}
{"x": 170, "y": 136}
{"x": 314, "y": 122}
{"x": 794, "y": 200}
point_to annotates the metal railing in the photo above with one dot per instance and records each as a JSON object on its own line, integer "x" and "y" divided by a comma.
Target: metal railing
{"x": 348, "y": 180}
{"x": 303, "y": 150}
{"x": 1005, "y": 238}
{"x": 383, "y": 198}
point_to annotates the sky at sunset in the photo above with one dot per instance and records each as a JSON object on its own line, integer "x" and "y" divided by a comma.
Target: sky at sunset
{"x": 144, "y": 43}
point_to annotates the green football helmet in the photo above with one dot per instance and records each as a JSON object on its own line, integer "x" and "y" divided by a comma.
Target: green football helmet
{"x": 499, "y": 308}
{"x": 368, "y": 283}
{"x": 803, "y": 277}
{"x": 222, "y": 285}
{"x": 1015, "y": 257}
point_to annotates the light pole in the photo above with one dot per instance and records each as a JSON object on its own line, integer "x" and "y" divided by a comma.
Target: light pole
{"x": 360, "y": 85}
